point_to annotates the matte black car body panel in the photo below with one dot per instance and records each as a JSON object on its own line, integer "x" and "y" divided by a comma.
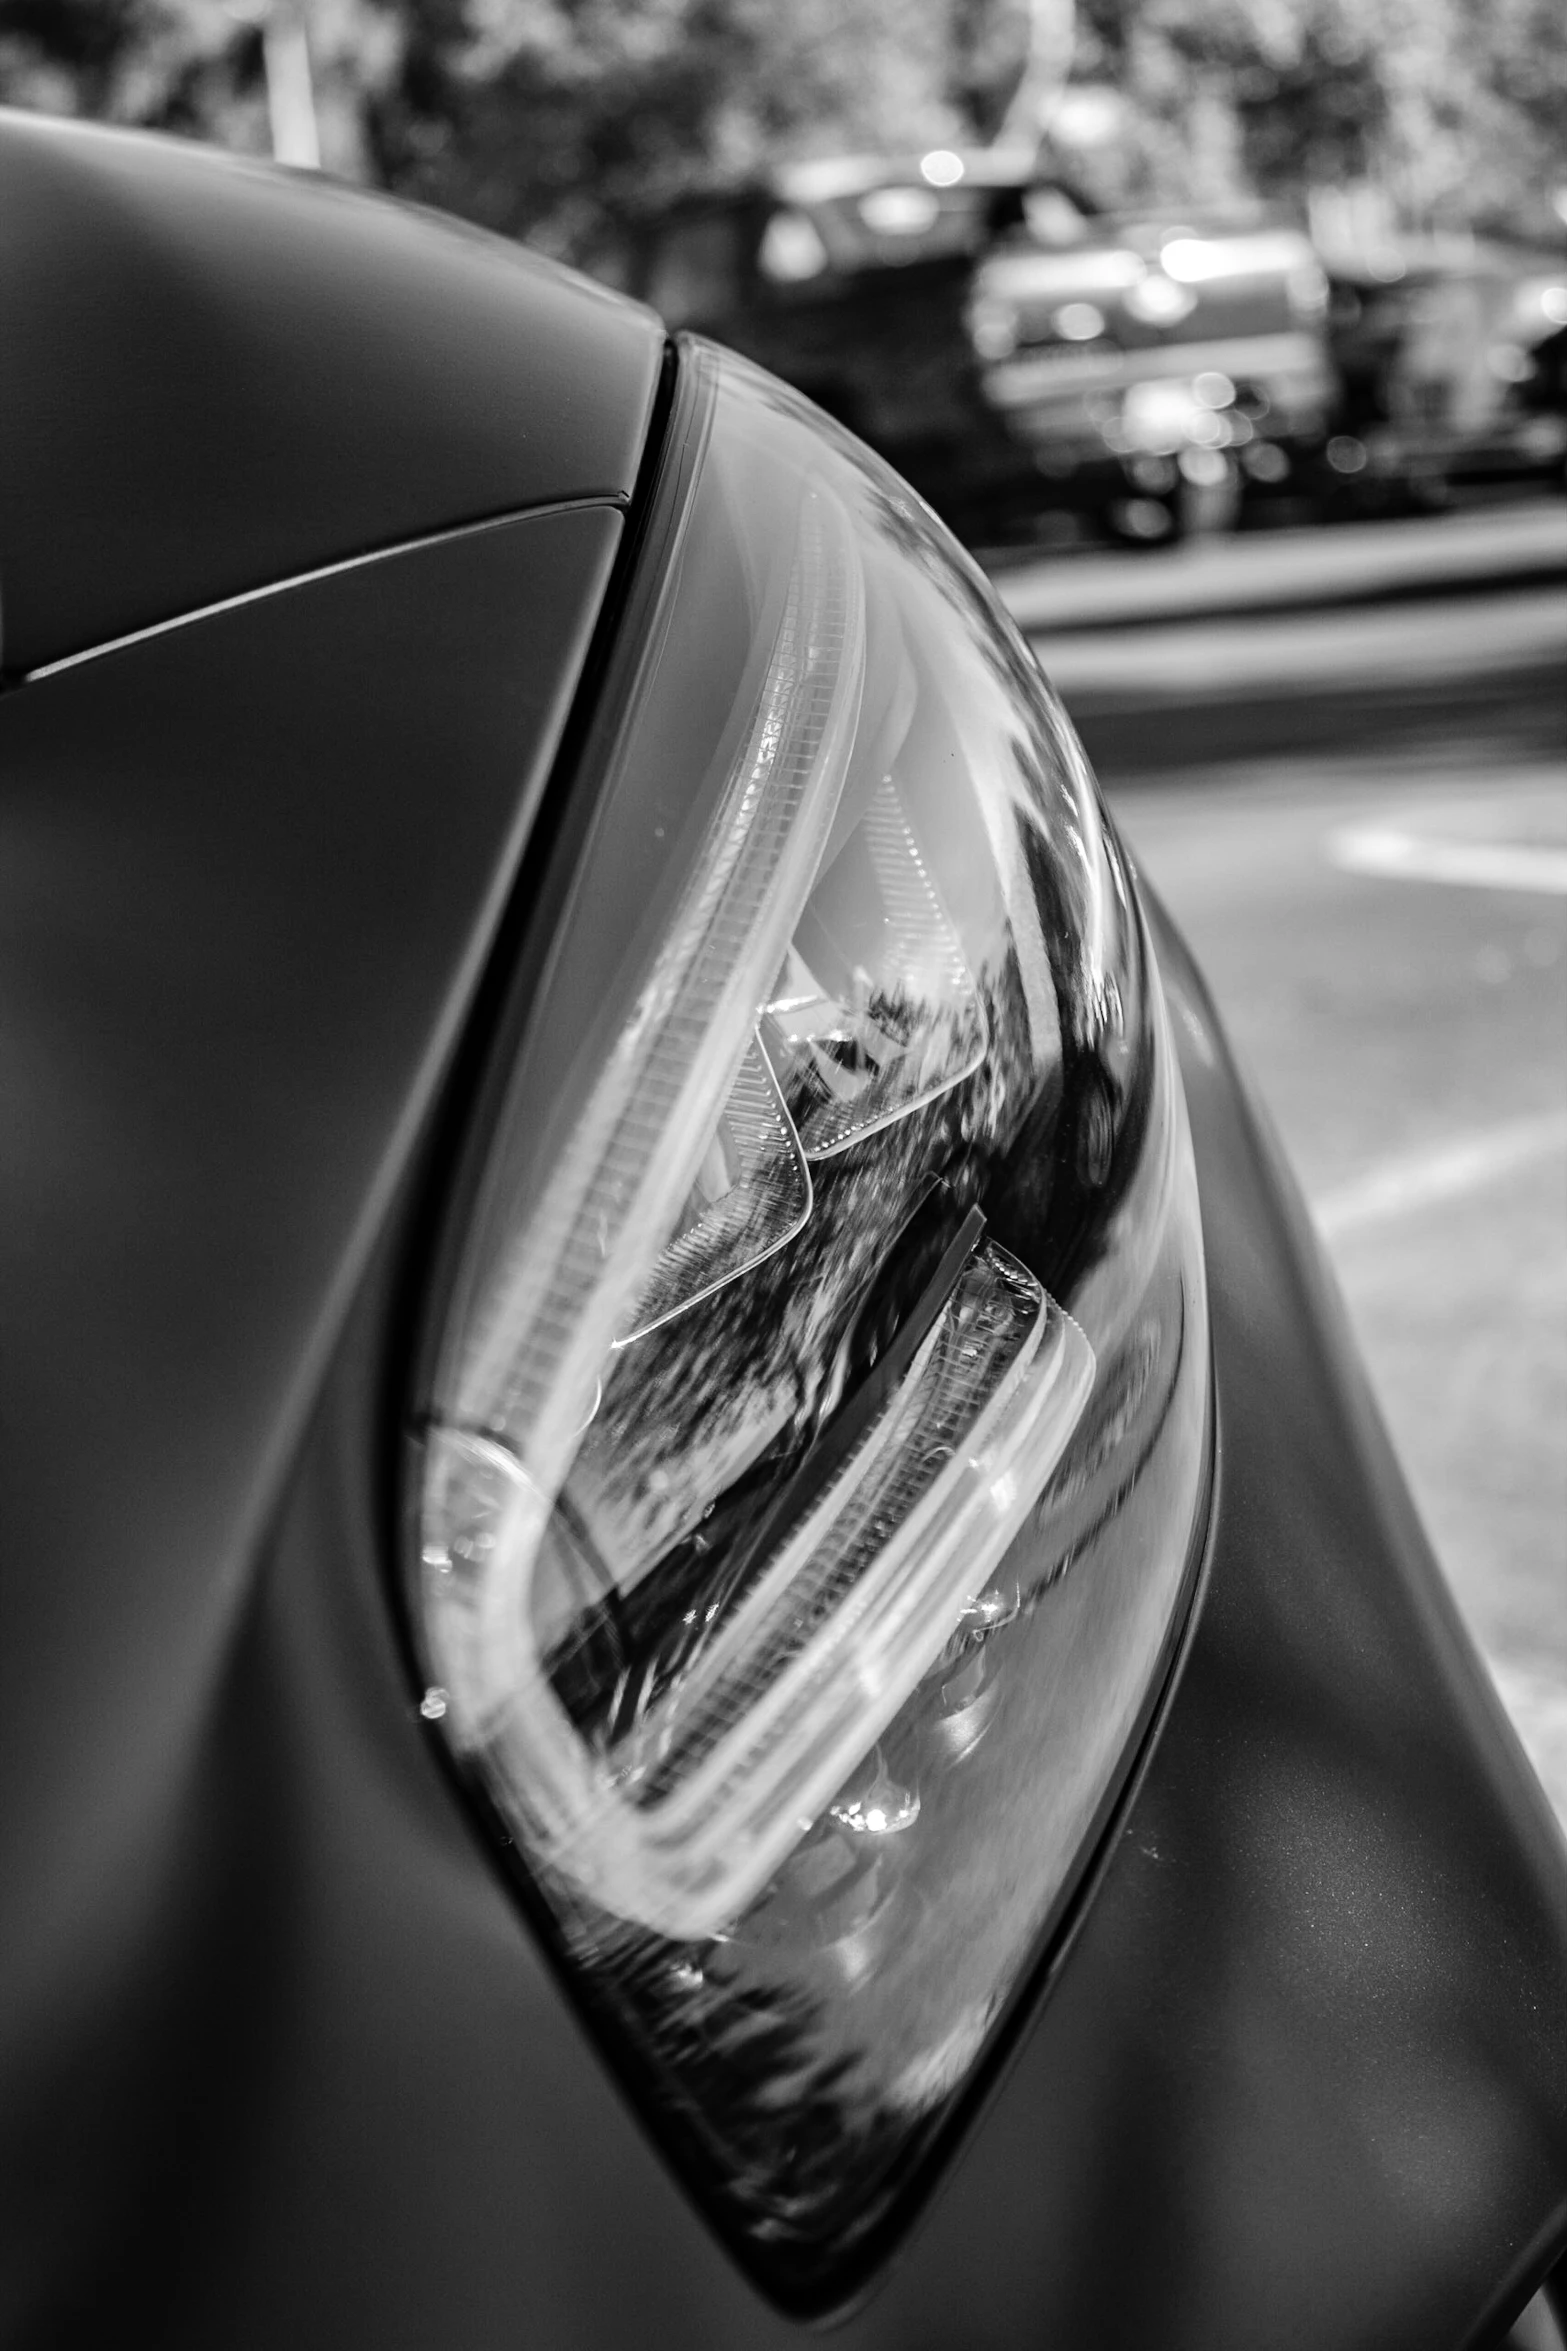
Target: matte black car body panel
{"x": 217, "y": 375}
{"x": 241, "y": 905}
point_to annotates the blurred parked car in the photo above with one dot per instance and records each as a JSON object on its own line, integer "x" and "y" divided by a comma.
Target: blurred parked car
{"x": 703, "y": 1623}
{"x": 1155, "y": 365}
{"x": 850, "y": 278}
{"x": 1449, "y": 362}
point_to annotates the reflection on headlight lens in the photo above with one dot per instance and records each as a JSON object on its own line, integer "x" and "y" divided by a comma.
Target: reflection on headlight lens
{"x": 876, "y": 1010}
{"x": 750, "y": 1194}
{"x": 813, "y": 1460}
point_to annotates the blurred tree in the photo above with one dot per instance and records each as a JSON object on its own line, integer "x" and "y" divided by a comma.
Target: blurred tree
{"x": 196, "y": 66}
{"x": 1458, "y": 108}
{"x": 559, "y": 118}
{"x": 562, "y": 116}
{"x": 988, "y": 44}
{"x": 549, "y": 117}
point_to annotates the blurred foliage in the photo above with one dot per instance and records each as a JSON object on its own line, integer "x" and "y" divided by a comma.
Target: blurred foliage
{"x": 195, "y": 67}
{"x": 559, "y": 118}
{"x": 1456, "y": 108}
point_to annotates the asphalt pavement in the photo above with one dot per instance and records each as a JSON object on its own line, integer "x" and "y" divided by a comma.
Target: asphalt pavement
{"x": 1358, "y": 814}
{"x": 1519, "y": 543}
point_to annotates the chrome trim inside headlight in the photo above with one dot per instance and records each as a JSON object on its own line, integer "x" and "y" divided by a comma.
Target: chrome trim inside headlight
{"x": 811, "y": 1468}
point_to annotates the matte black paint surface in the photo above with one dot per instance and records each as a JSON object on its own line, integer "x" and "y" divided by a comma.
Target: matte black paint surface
{"x": 214, "y": 375}
{"x": 246, "y": 872}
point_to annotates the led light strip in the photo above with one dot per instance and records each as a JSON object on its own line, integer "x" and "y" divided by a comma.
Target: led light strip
{"x": 526, "y": 1386}
{"x": 640, "y": 1139}
{"x": 767, "y": 1204}
{"x": 731, "y": 1767}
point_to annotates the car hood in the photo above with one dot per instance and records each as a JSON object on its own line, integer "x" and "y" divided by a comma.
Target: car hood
{"x": 193, "y": 406}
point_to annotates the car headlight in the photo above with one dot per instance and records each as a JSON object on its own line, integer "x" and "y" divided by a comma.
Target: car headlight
{"x": 810, "y": 1461}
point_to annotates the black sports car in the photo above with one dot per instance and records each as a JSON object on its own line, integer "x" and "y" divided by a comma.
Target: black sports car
{"x": 704, "y": 1622}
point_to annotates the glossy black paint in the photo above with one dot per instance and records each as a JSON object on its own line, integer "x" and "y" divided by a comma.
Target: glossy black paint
{"x": 217, "y": 375}
{"x": 280, "y": 2061}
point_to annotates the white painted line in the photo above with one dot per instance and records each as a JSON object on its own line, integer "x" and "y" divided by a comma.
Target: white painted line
{"x": 1196, "y": 660}
{"x": 1421, "y": 1179}
{"x": 1478, "y": 865}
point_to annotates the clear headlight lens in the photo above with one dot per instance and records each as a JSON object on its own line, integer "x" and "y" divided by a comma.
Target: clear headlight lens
{"x": 830, "y": 1289}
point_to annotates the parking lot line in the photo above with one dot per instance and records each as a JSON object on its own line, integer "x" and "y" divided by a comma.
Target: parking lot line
{"x": 1421, "y": 1179}
{"x": 1483, "y": 865}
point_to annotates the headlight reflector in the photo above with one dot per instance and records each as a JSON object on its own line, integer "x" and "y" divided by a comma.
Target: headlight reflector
{"x": 831, "y": 1294}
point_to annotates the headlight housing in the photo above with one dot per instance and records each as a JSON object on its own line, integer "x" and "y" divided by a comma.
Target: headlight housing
{"x": 810, "y": 1465}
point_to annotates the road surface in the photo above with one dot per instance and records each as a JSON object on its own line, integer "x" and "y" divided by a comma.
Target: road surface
{"x": 1360, "y": 821}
